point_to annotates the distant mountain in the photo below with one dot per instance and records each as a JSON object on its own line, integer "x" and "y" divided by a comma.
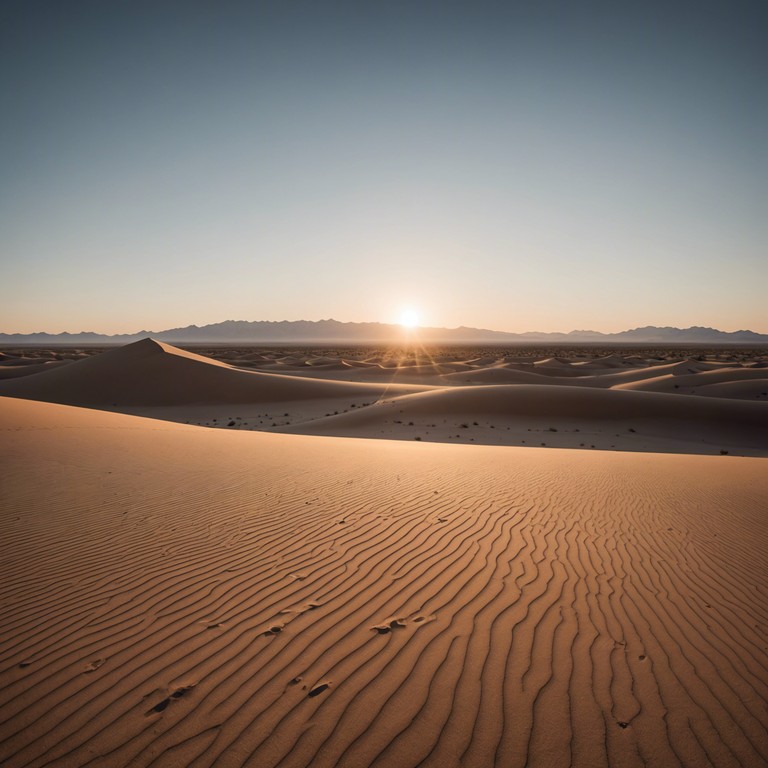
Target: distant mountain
{"x": 335, "y": 332}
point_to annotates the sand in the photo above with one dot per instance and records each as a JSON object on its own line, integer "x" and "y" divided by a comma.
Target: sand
{"x": 178, "y": 595}
{"x": 150, "y": 373}
{"x": 608, "y": 402}
{"x": 563, "y": 417}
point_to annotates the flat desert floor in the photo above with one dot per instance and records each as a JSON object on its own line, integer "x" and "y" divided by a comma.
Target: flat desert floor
{"x": 539, "y": 562}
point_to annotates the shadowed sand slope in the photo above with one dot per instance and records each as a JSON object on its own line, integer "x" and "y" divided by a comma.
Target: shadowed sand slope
{"x": 150, "y": 373}
{"x": 683, "y": 423}
{"x": 26, "y": 369}
{"x": 180, "y": 596}
{"x": 697, "y": 382}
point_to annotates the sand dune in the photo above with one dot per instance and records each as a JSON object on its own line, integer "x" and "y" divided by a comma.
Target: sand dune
{"x": 690, "y": 382}
{"x": 560, "y": 416}
{"x": 357, "y": 603}
{"x": 17, "y": 371}
{"x": 502, "y": 375}
{"x": 624, "y": 404}
{"x": 17, "y": 361}
{"x": 552, "y": 375}
{"x": 749, "y": 389}
{"x": 553, "y": 362}
{"x": 150, "y": 373}
{"x": 515, "y": 375}
{"x": 589, "y": 375}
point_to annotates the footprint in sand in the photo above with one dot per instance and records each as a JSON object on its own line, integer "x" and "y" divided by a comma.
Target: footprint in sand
{"x": 400, "y": 623}
{"x": 162, "y": 705}
{"x": 211, "y": 623}
{"x": 94, "y": 665}
{"x": 311, "y": 606}
{"x": 383, "y": 629}
{"x": 318, "y": 689}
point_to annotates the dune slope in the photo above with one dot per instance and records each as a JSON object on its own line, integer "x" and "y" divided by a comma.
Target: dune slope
{"x": 150, "y": 373}
{"x": 638, "y": 419}
{"x": 180, "y": 596}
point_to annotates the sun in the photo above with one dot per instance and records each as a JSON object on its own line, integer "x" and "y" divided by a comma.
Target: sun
{"x": 409, "y": 318}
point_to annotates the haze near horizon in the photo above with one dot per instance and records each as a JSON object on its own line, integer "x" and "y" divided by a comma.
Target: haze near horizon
{"x": 496, "y": 166}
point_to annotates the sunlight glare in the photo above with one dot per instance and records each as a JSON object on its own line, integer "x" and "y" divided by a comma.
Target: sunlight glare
{"x": 409, "y": 318}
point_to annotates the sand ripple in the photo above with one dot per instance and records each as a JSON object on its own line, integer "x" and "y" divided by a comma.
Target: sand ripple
{"x": 177, "y": 596}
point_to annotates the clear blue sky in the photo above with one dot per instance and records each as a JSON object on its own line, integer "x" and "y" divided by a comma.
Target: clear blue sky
{"x": 517, "y": 166}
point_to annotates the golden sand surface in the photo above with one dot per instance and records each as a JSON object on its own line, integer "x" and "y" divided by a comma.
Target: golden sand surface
{"x": 183, "y": 595}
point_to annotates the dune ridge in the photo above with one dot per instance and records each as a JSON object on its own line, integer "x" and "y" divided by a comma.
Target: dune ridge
{"x": 151, "y": 373}
{"x": 177, "y": 595}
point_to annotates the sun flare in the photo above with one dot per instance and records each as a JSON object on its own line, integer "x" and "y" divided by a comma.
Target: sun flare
{"x": 409, "y": 318}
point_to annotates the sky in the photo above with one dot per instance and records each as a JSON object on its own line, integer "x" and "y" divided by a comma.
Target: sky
{"x": 516, "y": 166}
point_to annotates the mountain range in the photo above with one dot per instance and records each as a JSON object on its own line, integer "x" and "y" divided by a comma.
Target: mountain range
{"x": 335, "y": 332}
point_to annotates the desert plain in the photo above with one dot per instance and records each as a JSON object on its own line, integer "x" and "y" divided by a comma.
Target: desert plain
{"x": 385, "y": 557}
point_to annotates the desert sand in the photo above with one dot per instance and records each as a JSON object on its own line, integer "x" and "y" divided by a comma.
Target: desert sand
{"x": 611, "y": 402}
{"x": 278, "y": 589}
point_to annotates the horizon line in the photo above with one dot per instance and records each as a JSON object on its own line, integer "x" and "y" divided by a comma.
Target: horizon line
{"x": 415, "y": 330}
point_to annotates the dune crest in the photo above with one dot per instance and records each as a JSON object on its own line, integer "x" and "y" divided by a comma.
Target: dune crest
{"x": 152, "y": 373}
